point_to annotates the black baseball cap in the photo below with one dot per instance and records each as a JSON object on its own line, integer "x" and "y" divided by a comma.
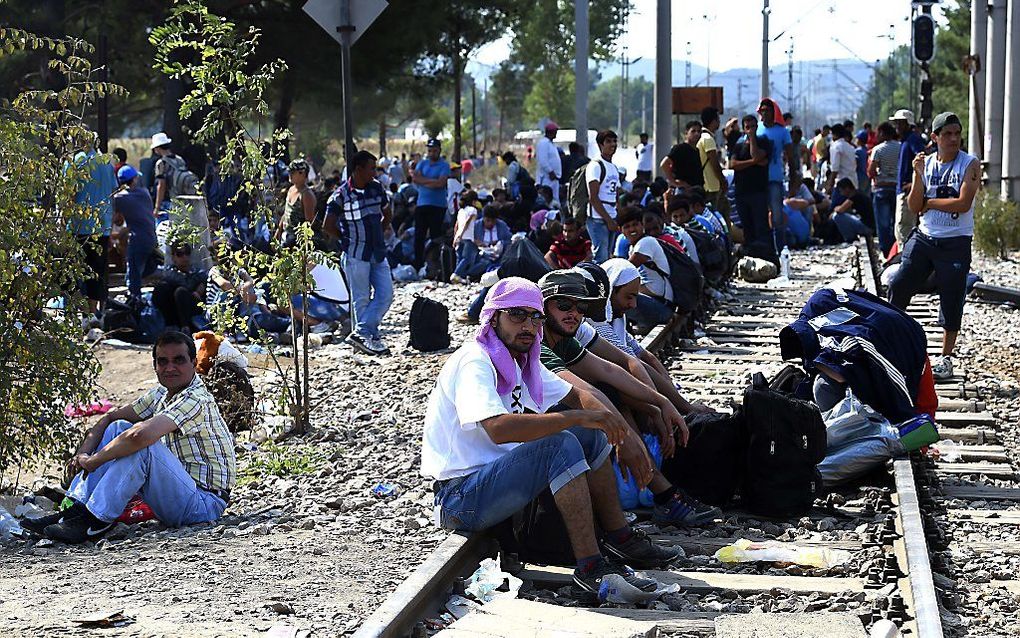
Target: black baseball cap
{"x": 565, "y": 283}
{"x": 433, "y": 143}
{"x": 944, "y": 119}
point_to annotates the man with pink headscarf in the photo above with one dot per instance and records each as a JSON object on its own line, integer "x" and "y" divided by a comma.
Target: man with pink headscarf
{"x": 500, "y": 429}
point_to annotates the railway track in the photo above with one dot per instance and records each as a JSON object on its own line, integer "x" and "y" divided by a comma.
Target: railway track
{"x": 889, "y": 528}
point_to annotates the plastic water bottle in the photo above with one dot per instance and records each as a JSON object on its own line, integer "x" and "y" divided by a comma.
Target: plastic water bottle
{"x": 9, "y": 526}
{"x": 784, "y": 262}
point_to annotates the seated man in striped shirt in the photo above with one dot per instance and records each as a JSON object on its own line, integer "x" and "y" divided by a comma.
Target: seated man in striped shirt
{"x": 171, "y": 445}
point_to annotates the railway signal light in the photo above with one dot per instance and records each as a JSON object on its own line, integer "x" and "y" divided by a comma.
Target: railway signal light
{"x": 924, "y": 38}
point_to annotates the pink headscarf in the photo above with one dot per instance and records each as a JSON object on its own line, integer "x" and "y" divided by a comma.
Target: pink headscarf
{"x": 512, "y": 292}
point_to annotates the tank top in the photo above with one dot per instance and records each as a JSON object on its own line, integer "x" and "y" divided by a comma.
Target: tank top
{"x": 937, "y": 223}
{"x": 294, "y": 212}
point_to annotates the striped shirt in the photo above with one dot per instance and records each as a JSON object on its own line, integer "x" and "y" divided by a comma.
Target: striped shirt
{"x": 201, "y": 441}
{"x": 358, "y": 214}
{"x": 886, "y": 159}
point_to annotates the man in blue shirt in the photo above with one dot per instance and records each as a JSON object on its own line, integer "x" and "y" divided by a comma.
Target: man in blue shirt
{"x": 357, "y": 213}
{"x": 780, "y": 156}
{"x": 430, "y": 175}
{"x": 93, "y": 231}
{"x": 134, "y": 205}
{"x": 911, "y": 143}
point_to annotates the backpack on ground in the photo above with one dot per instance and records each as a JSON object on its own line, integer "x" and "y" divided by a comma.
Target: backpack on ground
{"x": 120, "y": 321}
{"x": 179, "y": 180}
{"x": 685, "y": 278}
{"x": 523, "y": 259}
{"x": 712, "y": 253}
{"x": 537, "y": 534}
{"x": 577, "y": 193}
{"x": 429, "y": 325}
{"x": 786, "y": 440}
{"x": 439, "y": 260}
{"x": 711, "y": 467}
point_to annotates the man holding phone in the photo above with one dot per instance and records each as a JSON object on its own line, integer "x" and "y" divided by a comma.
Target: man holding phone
{"x": 942, "y": 196}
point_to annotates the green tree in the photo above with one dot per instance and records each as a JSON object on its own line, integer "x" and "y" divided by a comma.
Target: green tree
{"x": 510, "y": 83}
{"x": 44, "y": 363}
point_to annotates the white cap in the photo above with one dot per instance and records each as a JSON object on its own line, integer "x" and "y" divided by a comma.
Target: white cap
{"x": 159, "y": 139}
{"x": 903, "y": 114}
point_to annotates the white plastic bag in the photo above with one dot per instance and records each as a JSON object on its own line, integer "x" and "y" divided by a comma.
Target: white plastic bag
{"x": 745, "y": 551}
{"x": 487, "y": 578}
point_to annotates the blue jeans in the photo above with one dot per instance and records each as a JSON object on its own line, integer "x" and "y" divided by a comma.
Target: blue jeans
{"x": 601, "y": 238}
{"x": 650, "y": 312}
{"x": 371, "y": 292}
{"x": 753, "y": 209}
{"x": 470, "y": 261}
{"x": 850, "y": 226}
{"x": 498, "y": 490}
{"x": 154, "y": 472}
{"x": 884, "y": 202}
{"x": 141, "y": 262}
{"x": 776, "y": 192}
{"x": 475, "y": 309}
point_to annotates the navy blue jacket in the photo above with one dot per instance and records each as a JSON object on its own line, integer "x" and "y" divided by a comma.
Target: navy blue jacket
{"x": 879, "y": 349}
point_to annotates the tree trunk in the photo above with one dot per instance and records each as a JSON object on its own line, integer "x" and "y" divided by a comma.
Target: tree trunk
{"x": 173, "y": 91}
{"x": 458, "y": 73}
{"x": 285, "y": 108}
{"x": 382, "y": 136}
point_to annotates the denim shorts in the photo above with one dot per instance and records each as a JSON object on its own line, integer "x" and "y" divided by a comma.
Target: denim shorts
{"x": 500, "y": 489}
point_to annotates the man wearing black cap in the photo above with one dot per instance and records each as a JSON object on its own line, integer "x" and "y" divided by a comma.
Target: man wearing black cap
{"x": 567, "y": 301}
{"x": 942, "y": 196}
{"x": 430, "y": 177}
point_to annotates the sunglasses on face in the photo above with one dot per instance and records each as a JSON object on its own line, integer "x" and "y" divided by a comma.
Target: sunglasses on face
{"x": 566, "y": 305}
{"x": 520, "y": 315}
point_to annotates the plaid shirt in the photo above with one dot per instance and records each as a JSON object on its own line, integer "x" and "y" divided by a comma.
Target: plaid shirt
{"x": 358, "y": 215}
{"x": 201, "y": 441}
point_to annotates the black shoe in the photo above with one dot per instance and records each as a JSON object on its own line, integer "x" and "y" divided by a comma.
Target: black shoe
{"x": 640, "y": 552}
{"x": 590, "y": 582}
{"x": 37, "y": 525}
{"x": 79, "y": 530}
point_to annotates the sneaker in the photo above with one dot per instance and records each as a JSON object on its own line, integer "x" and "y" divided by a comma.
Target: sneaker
{"x": 457, "y": 279}
{"x": 83, "y": 528}
{"x": 942, "y": 368}
{"x": 376, "y": 345}
{"x": 641, "y": 552}
{"x": 683, "y": 510}
{"x": 590, "y": 582}
{"x": 467, "y": 319}
{"x": 37, "y": 525}
{"x": 320, "y": 328}
{"x": 359, "y": 343}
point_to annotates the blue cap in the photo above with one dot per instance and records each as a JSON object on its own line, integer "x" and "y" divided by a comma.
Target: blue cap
{"x": 126, "y": 173}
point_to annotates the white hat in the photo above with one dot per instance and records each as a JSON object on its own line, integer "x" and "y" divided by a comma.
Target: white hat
{"x": 903, "y": 114}
{"x": 159, "y": 139}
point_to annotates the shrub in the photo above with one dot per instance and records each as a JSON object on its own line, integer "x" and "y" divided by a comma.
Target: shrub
{"x": 996, "y": 225}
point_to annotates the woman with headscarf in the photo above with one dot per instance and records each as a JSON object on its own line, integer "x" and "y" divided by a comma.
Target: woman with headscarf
{"x": 492, "y": 443}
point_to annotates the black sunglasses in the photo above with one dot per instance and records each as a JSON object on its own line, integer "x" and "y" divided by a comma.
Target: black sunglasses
{"x": 520, "y": 315}
{"x": 566, "y": 305}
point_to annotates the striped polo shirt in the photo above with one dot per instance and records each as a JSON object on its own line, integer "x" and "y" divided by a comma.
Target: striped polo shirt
{"x": 358, "y": 214}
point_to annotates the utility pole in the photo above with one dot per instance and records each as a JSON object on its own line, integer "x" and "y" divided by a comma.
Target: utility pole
{"x": 474, "y": 122}
{"x": 644, "y": 112}
{"x": 687, "y": 65}
{"x": 978, "y": 43}
{"x": 623, "y": 90}
{"x": 346, "y": 29}
{"x": 663, "y": 104}
{"x": 581, "y": 73}
{"x": 1011, "y": 154}
{"x": 789, "y": 77}
{"x": 740, "y": 95}
{"x": 765, "y": 11}
{"x": 995, "y": 78}
{"x": 485, "y": 116}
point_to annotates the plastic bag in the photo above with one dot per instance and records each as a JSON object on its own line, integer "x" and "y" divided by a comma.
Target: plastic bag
{"x": 850, "y": 420}
{"x": 486, "y": 580}
{"x": 745, "y": 551}
{"x": 855, "y": 459}
{"x": 630, "y": 496}
{"x": 615, "y": 589}
{"x": 405, "y": 272}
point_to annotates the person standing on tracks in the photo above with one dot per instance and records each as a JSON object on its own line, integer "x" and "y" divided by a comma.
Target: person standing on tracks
{"x": 603, "y": 179}
{"x": 780, "y": 157}
{"x": 883, "y": 171}
{"x": 550, "y": 167}
{"x": 716, "y": 186}
{"x": 500, "y": 429}
{"x": 942, "y": 196}
{"x": 750, "y": 164}
{"x": 430, "y": 179}
{"x": 645, "y": 154}
{"x": 911, "y": 143}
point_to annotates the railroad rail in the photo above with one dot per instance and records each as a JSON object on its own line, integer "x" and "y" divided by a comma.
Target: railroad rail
{"x": 887, "y": 528}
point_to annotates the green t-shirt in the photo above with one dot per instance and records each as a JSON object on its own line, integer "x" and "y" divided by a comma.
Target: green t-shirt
{"x": 563, "y": 355}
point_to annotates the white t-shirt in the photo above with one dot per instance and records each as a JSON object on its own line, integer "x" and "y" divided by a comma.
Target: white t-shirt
{"x": 454, "y": 443}
{"x": 657, "y": 283}
{"x": 936, "y": 223}
{"x": 585, "y": 334}
{"x": 597, "y": 169}
{"x": 453, "y": 190}
{"x": 645, "y": 156}
{"x": 467, "y": 217}
{"x": 843, "y": 161}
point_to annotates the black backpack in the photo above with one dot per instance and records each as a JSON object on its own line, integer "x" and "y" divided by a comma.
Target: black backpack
{"x": 120, "y": 321}
{"x": 523, "y": 259}
{"x": 711, "y": 467}
{"x": 429, "y": 325}
{"x": 537, "y": 534}
{"x": 786, "y": 440}
{"x": 685, "y": 278}
{"x": 712, "y": 253}
{"x": 439, "y": 260}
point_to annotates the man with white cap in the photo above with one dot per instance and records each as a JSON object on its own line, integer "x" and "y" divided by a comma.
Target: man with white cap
{"x": 550, "y": 168}
{"x": 172, "y": 175}
{"x": 911, "y": 143}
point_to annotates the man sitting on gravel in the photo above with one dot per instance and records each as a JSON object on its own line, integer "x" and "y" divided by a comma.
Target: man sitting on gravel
{"x": 493, "y": 441}
{"x": 171, "y": 445}
{"x": 567, "y": 301}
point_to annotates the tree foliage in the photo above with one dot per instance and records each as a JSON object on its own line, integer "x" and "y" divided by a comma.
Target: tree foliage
{"x": 44, "y": 363}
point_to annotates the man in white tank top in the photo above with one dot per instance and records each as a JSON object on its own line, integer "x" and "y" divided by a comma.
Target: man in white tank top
{"x": 942, "y": 196}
